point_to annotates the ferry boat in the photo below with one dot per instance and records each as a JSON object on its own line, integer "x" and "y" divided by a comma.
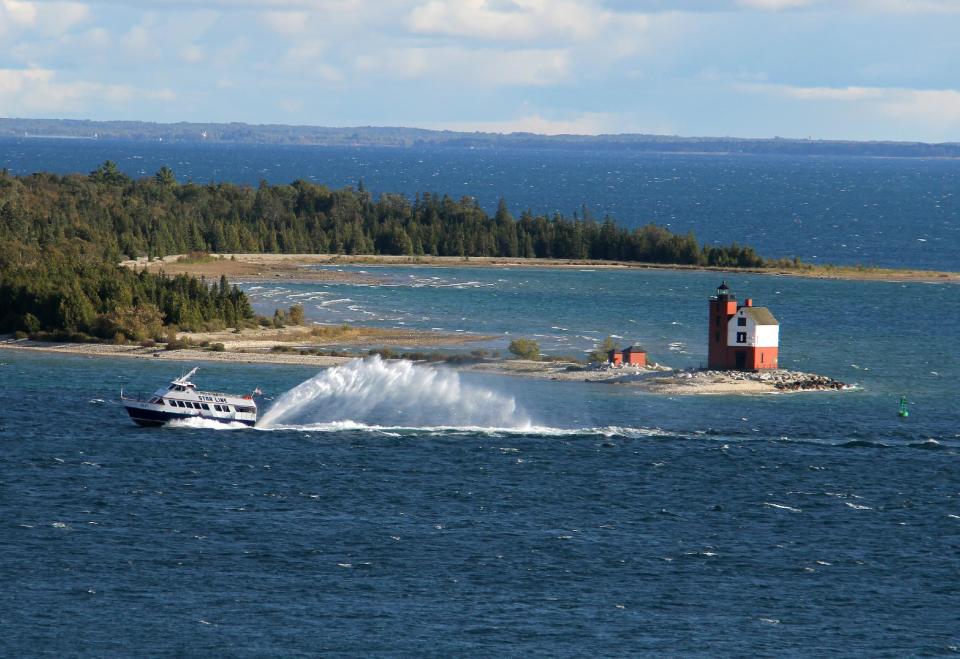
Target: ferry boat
{"x": 181, "y": 400}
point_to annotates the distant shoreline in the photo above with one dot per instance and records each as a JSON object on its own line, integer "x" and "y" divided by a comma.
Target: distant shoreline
{"x": 291, "y": 267}
{"x": 402, "y": 136}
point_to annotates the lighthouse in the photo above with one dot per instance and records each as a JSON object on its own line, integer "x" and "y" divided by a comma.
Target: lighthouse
{"x": 740, "y": 337}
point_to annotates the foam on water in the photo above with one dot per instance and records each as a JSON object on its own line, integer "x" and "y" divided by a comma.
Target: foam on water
{"x": 207, "y": 424}
{"x": 395, "y": 394}
{"x": 347, "y": 425}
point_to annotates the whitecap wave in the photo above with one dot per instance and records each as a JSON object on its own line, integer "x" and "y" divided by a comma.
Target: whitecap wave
{"x": 782, "y": 507}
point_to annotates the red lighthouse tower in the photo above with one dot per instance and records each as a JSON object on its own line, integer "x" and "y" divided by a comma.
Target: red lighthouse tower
{"x": 741, "y": 337}
{"x": 723, "y": 306}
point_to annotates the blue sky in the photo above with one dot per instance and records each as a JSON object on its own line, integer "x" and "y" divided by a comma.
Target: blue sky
{"x": 831, "y": 69}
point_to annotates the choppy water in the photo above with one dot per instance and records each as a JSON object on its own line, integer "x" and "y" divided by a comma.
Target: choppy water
{"x": 890, "y": 337}
{"x": 887, "y": 212}
{"x": 395, "y": 509}
{"x": 621, "y": 524}
{"x": 386, "y": 508}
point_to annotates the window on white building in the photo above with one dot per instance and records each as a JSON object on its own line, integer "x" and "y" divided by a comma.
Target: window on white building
{"x": 741, "y": 337}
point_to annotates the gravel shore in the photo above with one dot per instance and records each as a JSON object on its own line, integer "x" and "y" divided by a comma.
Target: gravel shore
{"x": 654, "y": 379}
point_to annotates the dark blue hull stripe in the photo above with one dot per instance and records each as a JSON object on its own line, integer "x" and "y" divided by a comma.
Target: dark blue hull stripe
{"x": 155, "y": 418}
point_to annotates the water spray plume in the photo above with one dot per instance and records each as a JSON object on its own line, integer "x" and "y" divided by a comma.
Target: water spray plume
{"x": 393, "y": 394}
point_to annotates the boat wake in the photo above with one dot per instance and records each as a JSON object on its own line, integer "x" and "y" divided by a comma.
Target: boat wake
{"x": 608, "y": 432}
{"x": 207, "y": 424}
{"x": 371, "y": 394}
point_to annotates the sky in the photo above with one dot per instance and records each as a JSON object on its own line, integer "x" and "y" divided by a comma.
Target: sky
{"x": 821, "y": 69}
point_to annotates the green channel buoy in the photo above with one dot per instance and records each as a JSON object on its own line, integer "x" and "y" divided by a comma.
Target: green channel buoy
{"x": 903, "y": 412}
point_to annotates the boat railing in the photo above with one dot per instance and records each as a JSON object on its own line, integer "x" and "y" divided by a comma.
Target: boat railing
{"x": 219, "y": 393}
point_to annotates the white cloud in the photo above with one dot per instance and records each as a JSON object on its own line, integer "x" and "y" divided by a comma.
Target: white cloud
{"x": 304, "y": 52}
{"x": 137, "y": 40}
{"x": 535, "y": 67}
{"x": 48, "y": 19}
{"x": 96, "y": 38}
{"x": 775, "y": 5}
{"x": 938, "y": 108}
{"x": 588, "y": 123}
{"x": 14, "y": 12}
{"x": 286, "y": 23}
{"x": 227, "y": 56}
{"x": 815, "y": 93}
{"x": 57, "y": 18}
{"x": 26, "y": 91}
{"x": 911, "y": 6}
{"x": 515, "y": 20}
{"x": 292, "y": 105}
{"x": 256, "y": 5}
{"x": 856, "y": 6}
{"x": 191, "y": 54}
{"x": 309, "y": 58}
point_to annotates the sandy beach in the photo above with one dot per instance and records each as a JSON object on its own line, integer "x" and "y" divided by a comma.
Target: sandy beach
{"x": 300, "y": 344}
{"x": 296, "y": 267}
{"x": 654, "y": 379}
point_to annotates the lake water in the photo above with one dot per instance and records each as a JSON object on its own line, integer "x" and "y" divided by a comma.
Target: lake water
{"x": 872, "y": 211}
{"x": 387, "y": 508}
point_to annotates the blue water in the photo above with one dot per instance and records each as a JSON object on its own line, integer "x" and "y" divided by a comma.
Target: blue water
{"x": 390, "y": 509}
{"x": 888, "y": 336}
{"x": 395, "y": 509}
{"x": 885, "y": 212}
{"x": 700, "y": 531}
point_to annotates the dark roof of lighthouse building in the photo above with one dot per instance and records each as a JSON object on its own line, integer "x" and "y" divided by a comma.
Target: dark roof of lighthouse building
{"x": 760, "y": 315}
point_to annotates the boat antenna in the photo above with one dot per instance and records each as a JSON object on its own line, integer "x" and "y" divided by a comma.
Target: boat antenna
{"x": 185, "y": 378}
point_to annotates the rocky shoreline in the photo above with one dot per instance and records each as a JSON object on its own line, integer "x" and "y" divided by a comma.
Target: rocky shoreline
{"x": 703, "y": 381}
{"x": 654, "y": 378}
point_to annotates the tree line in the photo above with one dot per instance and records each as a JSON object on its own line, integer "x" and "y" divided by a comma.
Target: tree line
{"x": 59, "y": 297}
{"x": 110, "y": 215}
{"x": 61, "y": 238}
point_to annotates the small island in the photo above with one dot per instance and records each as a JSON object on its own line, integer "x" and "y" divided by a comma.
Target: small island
{"x": 102, "y": 264}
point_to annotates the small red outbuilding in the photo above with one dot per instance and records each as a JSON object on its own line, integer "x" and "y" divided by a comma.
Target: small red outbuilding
{"x": 633, "y": 356}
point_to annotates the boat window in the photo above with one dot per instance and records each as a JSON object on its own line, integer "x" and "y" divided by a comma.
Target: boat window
{"x": 180, "y": 403}
{"x": 246, "y": 410}
{"x": 226, "y": 408}
{"x": 196, "y": 406}
{"x": 204, "y": 406}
